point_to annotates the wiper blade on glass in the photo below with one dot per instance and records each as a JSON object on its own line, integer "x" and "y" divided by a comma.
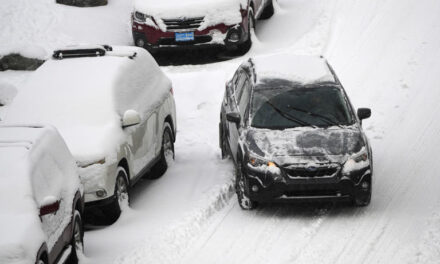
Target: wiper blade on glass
{"x": 323, "y": 118}
{"x": 289, "y": 116}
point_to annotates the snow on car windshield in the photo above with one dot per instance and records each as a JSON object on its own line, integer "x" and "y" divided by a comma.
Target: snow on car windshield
{"x": 289, "y": 105}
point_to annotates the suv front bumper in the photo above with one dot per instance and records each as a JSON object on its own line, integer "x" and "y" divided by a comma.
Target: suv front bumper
{"x": 153, "y": 38}
{"x": 266, "y": 187}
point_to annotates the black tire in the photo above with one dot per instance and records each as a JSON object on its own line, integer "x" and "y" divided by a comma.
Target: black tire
{"x": 242, "y": 189}
{"x": 167, "y": 151}
{"x": 223, "y": 143}
{"x": 121, "y": 195}
{"x": 245, "y": 46}
{"x": 77, "y": 242}
{"x": 361, "y": 197}
{"x": 41, "y": 261}
{"x": 268, "y": 11}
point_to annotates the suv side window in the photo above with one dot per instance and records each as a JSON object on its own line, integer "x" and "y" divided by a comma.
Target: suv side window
{"x": 244, "y": 100}
{"x": 239, "y": 87}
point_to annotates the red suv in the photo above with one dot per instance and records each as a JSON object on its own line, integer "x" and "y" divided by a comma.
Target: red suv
{"x": 171, "y": 24}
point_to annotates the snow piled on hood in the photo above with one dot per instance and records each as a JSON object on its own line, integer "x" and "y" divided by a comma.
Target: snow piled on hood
{"x": 214, "y": 11}
{"x": 296, "y": 68}
{"x": 86, "y": 97}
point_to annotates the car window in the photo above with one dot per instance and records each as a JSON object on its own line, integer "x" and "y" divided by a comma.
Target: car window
{"x": 244, "y": 100}
{"x": 239, "y": 87}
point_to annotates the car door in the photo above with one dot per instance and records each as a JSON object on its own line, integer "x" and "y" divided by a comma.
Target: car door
{"x": 234, "y": 128}
{"x": 48, "y": 188}
{"x": 143, "y": 143}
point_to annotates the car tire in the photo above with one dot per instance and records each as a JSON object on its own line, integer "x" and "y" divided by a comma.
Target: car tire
{"x": 166, "y": 153}
{"x": 268, "y": 11}
{"x": 121, "y": 195}
{"x": 223, "y": 144}
{"x": 77, "y": 242}
{"x": 242, "y": 189}
{"x": 362, "y": 198}
{"x": 245, "y": 46}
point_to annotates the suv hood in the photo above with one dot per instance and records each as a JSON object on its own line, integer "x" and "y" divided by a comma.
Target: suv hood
{"x": 214, "y": 11}
{"x": 305, "y": 144}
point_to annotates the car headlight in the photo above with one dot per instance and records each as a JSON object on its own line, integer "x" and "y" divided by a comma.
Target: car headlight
{"x": 257, "y": 161}
{"x": 141, "y": 17}
{"x": 356, "y": 162}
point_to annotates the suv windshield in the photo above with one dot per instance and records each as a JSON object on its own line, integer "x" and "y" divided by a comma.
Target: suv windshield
{"x": 280, "y": 104}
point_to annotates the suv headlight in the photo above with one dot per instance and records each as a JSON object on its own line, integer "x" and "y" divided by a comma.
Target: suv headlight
{"x": 257, "y": 161}
{"x": 356, "y": 162}
{"x": 141, "y": 17}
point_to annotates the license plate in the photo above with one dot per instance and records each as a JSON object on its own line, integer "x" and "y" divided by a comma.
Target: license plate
{"x": 184, "y": 36}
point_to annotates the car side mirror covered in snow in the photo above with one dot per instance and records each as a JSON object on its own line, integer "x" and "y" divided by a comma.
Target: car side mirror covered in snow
{"x": 364, "y": 113}
{"x": 233, "y": 117}
{"x": 130, "y": 118}
{"x": 49, "y": 205}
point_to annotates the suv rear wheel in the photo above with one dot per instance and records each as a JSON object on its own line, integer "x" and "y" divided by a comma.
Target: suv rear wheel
{"x": 268, "y": 11}
{"x": 166, "y": 153}
{"x": 76, "y": 243}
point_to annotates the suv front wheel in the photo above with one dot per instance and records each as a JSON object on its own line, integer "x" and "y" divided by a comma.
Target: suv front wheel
{"x": 242, "y": 189}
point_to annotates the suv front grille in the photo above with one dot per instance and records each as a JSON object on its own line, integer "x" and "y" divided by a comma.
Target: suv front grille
{"x": 183, "y": 24}
{"x": 328, "y": 170}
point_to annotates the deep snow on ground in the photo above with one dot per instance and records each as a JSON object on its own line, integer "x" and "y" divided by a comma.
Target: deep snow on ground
{"x": 386, "y": 55}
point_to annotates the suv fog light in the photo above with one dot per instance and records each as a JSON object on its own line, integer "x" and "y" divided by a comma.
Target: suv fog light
{"x": 365, "y": 185}
{"x": 140, "y": 43}
{"x": 101, "y": 193}
{"x": 255, "y": 188}
{"x": 234, "y": 37}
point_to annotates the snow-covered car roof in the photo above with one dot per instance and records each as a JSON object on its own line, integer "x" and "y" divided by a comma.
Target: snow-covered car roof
{"x": 85, "y": 98}
{"x": 24, "y": 155}
{"x": 296, "y": 68}
{"x": 214, "y": 11}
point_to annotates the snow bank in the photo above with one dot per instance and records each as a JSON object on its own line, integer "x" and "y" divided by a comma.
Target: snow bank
{"x": 214, "y": 11}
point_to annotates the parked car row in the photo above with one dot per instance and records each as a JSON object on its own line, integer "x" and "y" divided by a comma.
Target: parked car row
{"x": 114, "y": 109}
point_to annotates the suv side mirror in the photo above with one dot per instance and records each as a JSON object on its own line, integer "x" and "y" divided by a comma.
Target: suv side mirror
{"x": 49, "y": 205}
{"x": 364, "y": 113}
{"x": 130, "y": 118}
{"x": 233, "y": 117}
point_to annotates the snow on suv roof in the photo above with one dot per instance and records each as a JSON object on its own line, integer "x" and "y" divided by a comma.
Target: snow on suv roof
{"x": 296, "y": 68}
{"x": 85, "y": 97}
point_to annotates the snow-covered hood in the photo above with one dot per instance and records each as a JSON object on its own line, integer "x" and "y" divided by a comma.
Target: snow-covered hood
{"x": 304, "y": 144}
{"x": 214, "y": 11}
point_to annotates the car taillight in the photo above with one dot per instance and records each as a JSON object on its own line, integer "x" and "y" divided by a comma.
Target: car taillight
{"x": 172, "y": 91}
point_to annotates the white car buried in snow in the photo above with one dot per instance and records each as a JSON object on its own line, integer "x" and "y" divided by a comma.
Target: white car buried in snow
{"x": 115, "y": 109}
{"x": 41, "y": 201}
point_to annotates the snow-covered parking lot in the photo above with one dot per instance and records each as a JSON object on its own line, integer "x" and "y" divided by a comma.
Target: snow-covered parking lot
{"x": 387, "y": 55}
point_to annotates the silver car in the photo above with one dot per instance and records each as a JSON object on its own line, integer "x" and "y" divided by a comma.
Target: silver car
{"x": 116, "y": 111}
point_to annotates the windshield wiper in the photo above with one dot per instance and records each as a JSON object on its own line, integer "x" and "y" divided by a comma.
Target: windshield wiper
{"x": 321, "y": 117}
{"x": 289, "y": 116}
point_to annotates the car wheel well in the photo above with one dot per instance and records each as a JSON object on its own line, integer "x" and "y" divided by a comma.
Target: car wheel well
{"x": 169, "y": 120}
{"x": 43, "y": 257}
{"x": 124, "y": 164}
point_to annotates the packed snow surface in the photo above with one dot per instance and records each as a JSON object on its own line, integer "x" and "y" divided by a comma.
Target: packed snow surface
{"x": 386, "y": 55}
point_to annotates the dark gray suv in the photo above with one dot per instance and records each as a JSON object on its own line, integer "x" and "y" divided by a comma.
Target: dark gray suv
{"x": 292, "y": 133}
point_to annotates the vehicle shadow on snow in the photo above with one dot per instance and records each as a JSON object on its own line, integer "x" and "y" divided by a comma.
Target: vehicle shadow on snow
{"x": 306, "y": 209}
{"x": 192, "y": 56}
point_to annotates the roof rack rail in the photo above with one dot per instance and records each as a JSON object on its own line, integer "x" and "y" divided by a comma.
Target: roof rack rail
{"x": 78, "y": 52}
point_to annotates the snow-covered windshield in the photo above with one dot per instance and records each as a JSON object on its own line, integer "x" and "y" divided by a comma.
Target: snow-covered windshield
{"x": 280, "y": 104}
